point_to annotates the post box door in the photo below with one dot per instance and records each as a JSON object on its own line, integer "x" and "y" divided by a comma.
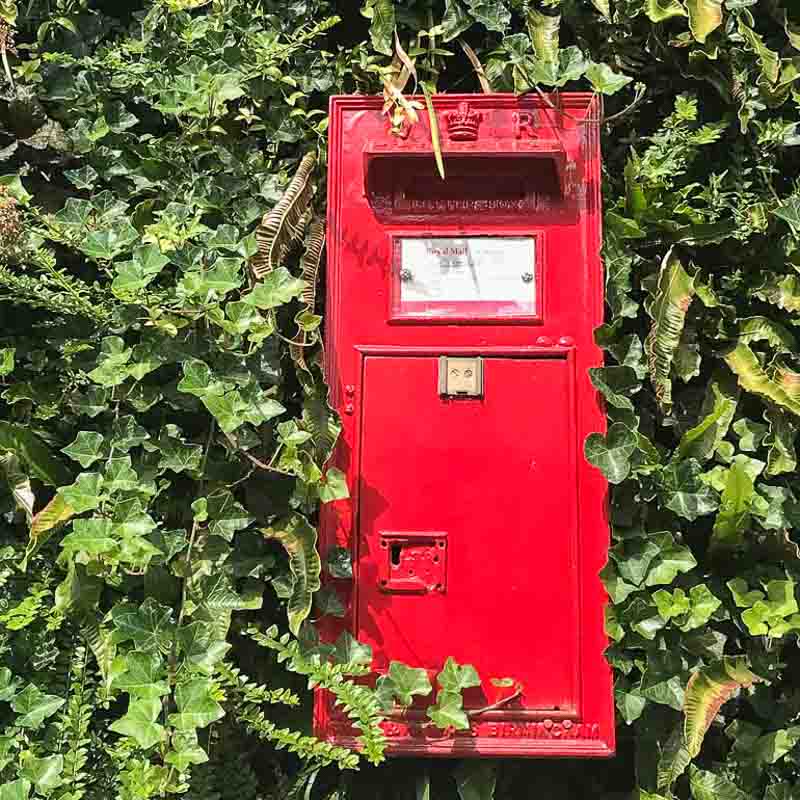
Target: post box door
{"x": 467, "y": 541}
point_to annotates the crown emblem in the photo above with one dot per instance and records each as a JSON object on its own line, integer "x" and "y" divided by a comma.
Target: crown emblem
{"x": 462, "y": 124}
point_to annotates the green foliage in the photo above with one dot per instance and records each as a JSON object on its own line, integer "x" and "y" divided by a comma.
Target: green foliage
{"x": 165, "y": 436}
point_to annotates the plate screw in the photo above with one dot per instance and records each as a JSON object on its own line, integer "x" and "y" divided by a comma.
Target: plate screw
{"x": 406, "y": 275}
{"x": 527, "y": 277}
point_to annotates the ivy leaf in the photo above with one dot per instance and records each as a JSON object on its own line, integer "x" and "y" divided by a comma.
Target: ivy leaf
{"x": 133, "y": 276}
{"x": 672, "y": 559}
{"x": 299, "y": 539}
{"x": 199, "y": 381}
{"x": 107, "y": 244}
{"x": 177, "y": 454}
{"x": 150, "y": 625}
{"x": 34, "y": 453}
{"x": 475, "y": 780}
{"x": 140, "y": 722}
{"x": 91, "y": 536}
{"x": 702, "y": 440}
{"x": 112, "y": 363}
{"x": 333, "y": 486}
{"x": 84, "y": 494}
{"x": 605, "y": 80}
{"x": 630, "y": 705}
{"x": 734, "y": 511}
{"x": 615, "y": 384}
{"x": 350, "y": 651}
{"x": 201, "y": 646}
{"x": 277, "y": 288}
{"x": 19, "y": 789}
{"x": 34, "y": 706}
{"x": 684, "y": 492}
{"x": 131, "y": 520}
{"x": 226, "y": 515}
{"x": 455, "y": 21}
{"x": 708, "y": 786}
{"x": 448, "y": 712}
{"x": 327, "y": 601}
{"x": 339, "y": 563}
{"x": 197, "y": 707}
{"x": 216, "y": 594}
{"x": 455, "y": 678}
{"x": 83, "y": 178}
{"x": 750, "y": 434}
{"x": 225, "y": 237}
{"x": 491, "y": 13}
{"x": 789, "y": 212}
{"x": 140, "y": 674}
{"x": 126, "y": 433}
{"x": 43, "y": 773}
{"x": 185, "y": 751}
{"x": 93, "y": 403}
{"x": 120, "y": 476}
{"x": 401, "y": 683}
{"x": 703, "y": 605}
{"x": 611, "y": 453}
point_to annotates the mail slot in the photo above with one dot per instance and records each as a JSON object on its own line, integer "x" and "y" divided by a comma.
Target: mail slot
{"x": 460, "y": 334}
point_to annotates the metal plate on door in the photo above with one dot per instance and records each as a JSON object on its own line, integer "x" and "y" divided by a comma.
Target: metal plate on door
{"x": 460, "y": 377}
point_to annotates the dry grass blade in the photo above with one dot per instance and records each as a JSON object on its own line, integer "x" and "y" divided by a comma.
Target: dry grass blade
{"x": 284, "y": 225}
{"x": 486, "y": 87}
{"x": 435, "y": 140}
{"x": 408, "y": 65}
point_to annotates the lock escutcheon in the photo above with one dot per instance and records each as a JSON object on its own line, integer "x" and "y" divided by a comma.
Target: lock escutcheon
{"x": 460, "y": 377}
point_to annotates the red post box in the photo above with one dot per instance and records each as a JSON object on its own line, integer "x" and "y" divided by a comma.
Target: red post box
{"x": 460, "y": 334}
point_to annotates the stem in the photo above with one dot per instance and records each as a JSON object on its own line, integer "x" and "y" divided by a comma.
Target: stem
{"x": 499, "y": 704}
{"x": 7, "y": 69}
{"x": 173, "y": 653}
{"x": 256, "y": 462}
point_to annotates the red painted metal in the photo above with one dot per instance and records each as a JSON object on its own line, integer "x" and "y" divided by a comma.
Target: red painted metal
{"x": 476, "y": 526}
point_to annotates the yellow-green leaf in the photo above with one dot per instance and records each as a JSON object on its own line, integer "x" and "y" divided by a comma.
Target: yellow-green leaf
{"x": 671, "y": 301}
{"x": 707, "y": 691}
{"x": 659, "y": 10}
{"x": 780, "y": 387}
{"x": 544, "y": 33}
{"x": 705, "y": 16}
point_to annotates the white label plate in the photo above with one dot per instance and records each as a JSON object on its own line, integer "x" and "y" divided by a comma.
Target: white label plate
{"x": 469, "y": 269}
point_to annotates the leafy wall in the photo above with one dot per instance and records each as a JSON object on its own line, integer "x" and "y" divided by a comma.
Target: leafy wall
{"x": 165, "y": 430}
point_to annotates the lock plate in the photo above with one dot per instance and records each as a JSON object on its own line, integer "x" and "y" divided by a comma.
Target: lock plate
{"x": 413, "y": 562}
{"x": 460, "y": 377}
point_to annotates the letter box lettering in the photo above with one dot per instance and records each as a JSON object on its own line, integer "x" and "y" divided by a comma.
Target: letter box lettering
{"x": 459, "y": 338}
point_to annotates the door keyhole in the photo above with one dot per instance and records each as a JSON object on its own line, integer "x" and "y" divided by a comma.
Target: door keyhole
{"x": 395, "y": 555}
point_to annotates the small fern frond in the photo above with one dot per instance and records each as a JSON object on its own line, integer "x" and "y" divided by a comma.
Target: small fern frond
{"x": 358, "y": 702}
{"x": 74, "y": 727}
